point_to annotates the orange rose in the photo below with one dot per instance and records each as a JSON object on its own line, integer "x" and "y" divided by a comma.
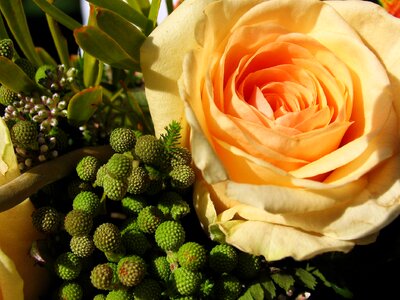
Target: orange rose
{"x": 292, "y": 109}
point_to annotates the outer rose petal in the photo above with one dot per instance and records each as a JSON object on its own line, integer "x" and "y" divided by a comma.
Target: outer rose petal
{"x": 19, "y": 275}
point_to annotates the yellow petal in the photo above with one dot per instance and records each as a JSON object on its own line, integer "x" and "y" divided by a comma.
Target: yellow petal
{"x": 9, "y": 277}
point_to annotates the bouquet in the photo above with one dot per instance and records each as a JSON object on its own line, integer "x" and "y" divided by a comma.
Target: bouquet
{"x": 237, "y": 150}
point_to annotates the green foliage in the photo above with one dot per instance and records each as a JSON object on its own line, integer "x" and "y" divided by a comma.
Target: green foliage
{"x": 172, "y": 136}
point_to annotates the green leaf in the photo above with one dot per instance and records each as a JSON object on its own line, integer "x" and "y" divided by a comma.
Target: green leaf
{"x": 83, "y": 105}
{"x": 60, "y": 41}
{"x": 97, "y": 43}
{"x": 254, "y": 292}
{"x": 344, "y": 292}
{"x": 3, "y": 30}
{"x": 153, "y": 14}
{"x": 92, "y": 70}
{"x": 128, "y": 36}
{"x": 306, "y": 277}
{"x": 14, "y": 14}
{"x": 124, "y": 10}
{"x": 269, "y": 287}
{"x": 14, "y": 78}
{"x": 45, "y": 57}
{"x": 57, "y": 14}
{"x": 285, "y": 281}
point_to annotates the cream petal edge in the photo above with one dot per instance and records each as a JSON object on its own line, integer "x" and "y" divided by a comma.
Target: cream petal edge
{"x": 9, "y": 277}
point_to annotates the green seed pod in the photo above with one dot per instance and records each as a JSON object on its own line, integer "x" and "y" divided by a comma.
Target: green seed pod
{"x": 26, "y": 66}
{"x": 150, "y": 150}
{"x": 115, "y": 189}
{"x": 192, "y": 256}
{"x": 7, "y": 96}
{"x": 7, "y": 48}
{"x": 228, "y": 287}
{"x": 138, "y": 181}
{"x": 149, "y": 219}
{"x": 160, "y": 268}
{"x": 170, "y": 235}
{"x": 187, "y": 282}
{"x": 107, "y": 237}
{"x": 70, "y": 291}
{"x": 147, "y": 289}
{"x": 68, "y": 266}
{"x": 119, "y": 166}
{"x": 87, "y": 168}
{"x": 82, "y": 246}
{"x": 25, "y": 134}
{"x": 182, "y": 176}
{"x": 78, "y": 223}
{"x": 46, "y": 219}
{"x": 122, "y": 140}
{"x": 104, "y": 276}
{"x": 223, "y": 258}
{"x": 87, "y": 201}
{"x": 131, "y": 270}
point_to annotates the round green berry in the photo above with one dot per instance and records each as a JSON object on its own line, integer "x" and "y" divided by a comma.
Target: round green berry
{"x": 99, "y": 297}
{"x": 7, "y": 48}
{"x": 25, "y": 134}
{"x": 192, "y": 256}
{"x": 68, "y": 266}
{"x": 187, "y": 282}
{"x": 160, "y": 268}
{"x": 100, "y": 175}
{"x": 7, "y": 96}
{"x": 104, "y": 276}
{"x": 107, "y": 237}
{"x": 248, "y": 266}
{"x": 46, "y": 219}
{"x": 86, "y": 201}
{"x": 115, "y": 189}
{"x": 119, "y": 166}
{"x": 131, "y": 270}
{"x": 135, "y": 242}
{"x": 223, "y": 258}
{"x": 173, "y": 206}
{"x": 26, "y": 66}
{"x": 170, "y": 235}
{"x": 181, "y": 156}
{"x": 228, "y": 287}
{"x": 147, "y": 289}
{"x": 182, "y": 176}
{"x": 122, "y": 140}
{"x": 138, "y": 181}
{"x": 78, "y": 223}
{"x": 149, "y": 219}
{"x": 70, "y": 291}
{"x": 150, "y": 150}
{"x": 82, "y": 246}
{"x": 119, "y": 295}
{"x": 132, "y": 205}
{"x": 87, "y": 168}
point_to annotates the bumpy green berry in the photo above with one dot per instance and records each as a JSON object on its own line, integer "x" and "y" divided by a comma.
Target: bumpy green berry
{"x": 87, "y": 168}
{"x": 7, "y": 48}
{"x": 173, "y": 206}
{"x": 46, "y": 219}
{"x": 78, "y": 223}
{"x": 150, "y": 150}
{"x": 248, "y": 265}
{"x": 70, "y": 291}
{"x": 133, "y": 204}
{"x": 24, "y": 134}
{"x": 99, "y": 297}
{"x": 86, "y": 201}
{"x": 147, "y": 289}
{"x": 181, "y": 156}
{"x": 138, "y": 181}
{"x": 26, "y": 66}
{"x": 135, "y": 242}
{"x": 131, "y": 270}
{"x": 170, "y": 235}
{"x": 160, "y": 268}
{"x": 119, "y": 295}
{"x": 116, "y": 255}
{"x": 119, "y": 166}
{"x": 107, "y": 237}
{"x": 82, "y": 246}
{"x": 228, "y": 287}
{"x": 187, "y": 282}
{"x": 192, "y": 256}
{"x": 115, "y": 189}
{"x": 7, "y": 96}
{"x": 182, "y": 176}
{"x": 100, "y": 175}
{"x": 104, "y": 276}
{"x": 223, "y": 258}
{"x": 122, "y": 140}
{"x": 149, "y": 219}
{"x": 68, "y": 266}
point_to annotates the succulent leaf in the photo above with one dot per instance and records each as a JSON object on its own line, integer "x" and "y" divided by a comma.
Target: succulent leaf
{"x": 14, "y": 78}
{"x": 83, "y": 104}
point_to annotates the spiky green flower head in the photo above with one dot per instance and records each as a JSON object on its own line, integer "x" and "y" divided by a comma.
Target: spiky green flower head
{"x": 119, "y": 166}
{"x": 122, "y": 140}
{"x": 7, "y": 96}
{"x": 107, "y": 237}
{"x": 26, "y": 66}
{"x": 160, "y": 268}
{"x": 223, "y": 258}
{"x": 68, "y": 266}
{"x": 82, "y": 246}
{"x": 147, "y": 289}
{"x": 192, "y": 256}
{"x": 87, "y": 168}
{"x": 78, "y": 223}
{"x": 150, "y": 150}
{"x": 248, "y": 266}
{"x": 99, "y": 297}
{"x": 170, "y": 235}
{"x": 46, "y": 219}
{"x": 119, "y": 295}
{"x": 100, "y": 175}
{"x": 7, "y": 48}
{"x": 138, "y": 181}
{"x": 24, "y": 134}
{"x": 115, "y": 189}
{"x": 104, "y": 276}
{"x": 70, "y": 291}
{"x": 133, "y": 204}
{"x": 228, "y": 287}
{"x": 173, "y": 206}
{"x": 45, "y": 75}
{"x": 76, "y": 185}
{"x": 135, "y": 242}
{"x": 87, "y": 201}
{"x": 182, "y": 176}
{"x": 187, "y": 282}
{"x": 181, "y": 156}
{"x": 149, "y": 219}
{"x": 131, "y": 270}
